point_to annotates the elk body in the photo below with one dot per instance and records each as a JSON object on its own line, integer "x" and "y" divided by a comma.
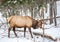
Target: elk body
{"x": 23, "y": 21}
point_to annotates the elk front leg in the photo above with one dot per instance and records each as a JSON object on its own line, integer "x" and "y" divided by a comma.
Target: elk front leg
{"x": 24, "y": 31}
{"x": 14, "y": 31}
{"x": 30, "y": 32}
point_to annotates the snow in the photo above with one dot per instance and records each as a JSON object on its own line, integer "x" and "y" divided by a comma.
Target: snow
{"x": 53, "y": 32}
{"x": 58, "y": 8}
{"x": 14, "y": 40}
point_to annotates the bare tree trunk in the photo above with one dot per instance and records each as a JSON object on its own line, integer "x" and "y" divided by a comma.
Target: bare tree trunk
{"x": 13, "y": 12}
{"x": 46, "y": 5}
{"x": 31, "y": 10}
{"x": 51, "y": 11}
{"x": 55, "y": 12}
{"x": 33, "y": 13}
{"x": 42, "y": 12}
{"x": 9, "y": 10}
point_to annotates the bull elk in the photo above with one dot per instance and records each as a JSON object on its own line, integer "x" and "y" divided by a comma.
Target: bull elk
{"x": 23, "y": 21}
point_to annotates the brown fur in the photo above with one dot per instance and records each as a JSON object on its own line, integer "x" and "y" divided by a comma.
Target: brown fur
{"x": 23, "y": 21}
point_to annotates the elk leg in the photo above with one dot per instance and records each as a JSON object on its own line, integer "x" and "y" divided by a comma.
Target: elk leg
{"x": 9, "y": 32}
{"x": 14, "y": 31}
{"x": 30, "y": 32}
{"x": 24, "y": 31}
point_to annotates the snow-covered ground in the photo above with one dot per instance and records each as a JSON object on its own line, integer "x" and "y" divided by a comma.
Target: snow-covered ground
{"x": 51, "y": 30}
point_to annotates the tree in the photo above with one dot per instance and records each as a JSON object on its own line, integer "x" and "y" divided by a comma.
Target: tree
{"x": 55, "y": 11}
{"x": 51, "y": 11}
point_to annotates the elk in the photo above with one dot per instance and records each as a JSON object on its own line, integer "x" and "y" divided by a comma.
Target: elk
{"x": 23, "y": 21}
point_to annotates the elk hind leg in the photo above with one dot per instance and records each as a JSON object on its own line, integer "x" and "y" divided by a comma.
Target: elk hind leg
{"x": 9, "y": 32}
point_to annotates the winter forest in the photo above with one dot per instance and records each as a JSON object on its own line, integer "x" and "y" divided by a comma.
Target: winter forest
{"x": 37, "y": 18}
